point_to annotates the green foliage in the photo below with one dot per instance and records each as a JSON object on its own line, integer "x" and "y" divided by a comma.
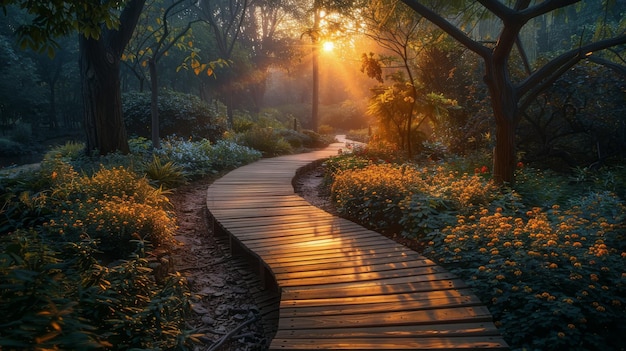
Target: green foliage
{"x": 183, "y": 115}
{"x": 552, "y": 276}
{"x": 113, "y": 206}
{"x": 267, "y": 141}
{"x": 73, "y": 272}
{"x": 9, "y": 148}
{"x": 167, "y": 175}
{"x": 199, "y": 158}
{"x": 57, "y": 296}
{"x": 552, "y": 279}
{"x": 404, "y": 198}
{"x": 69, "y": 151}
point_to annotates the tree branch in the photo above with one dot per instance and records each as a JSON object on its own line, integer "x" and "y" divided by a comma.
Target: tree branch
{"x": 544, "y": 7}
{"x": 576, "y": 54}
{"x": 620, "y": 69}
{"x": 449, "y": 28}
{"x": 498, "y": 8}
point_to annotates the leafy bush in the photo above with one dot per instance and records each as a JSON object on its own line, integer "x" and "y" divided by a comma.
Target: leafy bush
{"x": 199, "y": 158}
{"x": 180, "y": 114}
{"x": 67, "y": 152}
{"x": 267, "y": 141}
{"x": 553, "y": 277}
{"x": 9, "y": 148}
{"x": 113, "y": 206}
{"x": 420, "y": 200}
{"x": 57, "y": 296}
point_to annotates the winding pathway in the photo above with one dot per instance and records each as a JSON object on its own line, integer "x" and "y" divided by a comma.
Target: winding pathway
{"x": 341, "y": 286}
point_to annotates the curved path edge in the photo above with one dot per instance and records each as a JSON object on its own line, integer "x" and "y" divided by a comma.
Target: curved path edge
{"x": 341, "y": 286}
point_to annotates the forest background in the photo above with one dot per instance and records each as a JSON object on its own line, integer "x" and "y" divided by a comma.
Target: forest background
{"x": 156, "y": 93}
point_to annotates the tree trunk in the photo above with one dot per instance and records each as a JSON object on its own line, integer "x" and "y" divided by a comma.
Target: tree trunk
{"x": 315, "y": 98}
{"x": 154, "y": 105}
{"x": 100, "y": 78}
{"x": 504, "y": 104}
{"x": 102, "y": 101}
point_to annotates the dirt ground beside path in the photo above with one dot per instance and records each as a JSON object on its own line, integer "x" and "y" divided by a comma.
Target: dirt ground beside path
{"x": 225, "y": 314}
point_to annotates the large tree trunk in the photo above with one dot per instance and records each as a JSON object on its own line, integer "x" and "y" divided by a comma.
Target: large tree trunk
{"x": 100, "y": 78}
{"x": 102, "y": 100}
{"x": 504, "y": 104}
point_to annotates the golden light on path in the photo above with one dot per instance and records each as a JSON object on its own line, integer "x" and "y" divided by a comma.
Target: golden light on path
{"x": 328, "y": 46}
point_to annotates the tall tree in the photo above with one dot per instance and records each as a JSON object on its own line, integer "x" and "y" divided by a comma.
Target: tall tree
{"x": 104, "y": 28}
{"x": 226, "y": 18}
{"x": 322, "y": 12}
{"x": 398, "y": 32}
{"x": 508, "y": 98}
{"x": 157, "y": 39}
{"x": 100, "y": 76}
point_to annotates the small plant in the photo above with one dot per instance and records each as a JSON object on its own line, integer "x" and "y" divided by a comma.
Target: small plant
{"x": 69, "y": 151}
{"x": 167, "y": 176}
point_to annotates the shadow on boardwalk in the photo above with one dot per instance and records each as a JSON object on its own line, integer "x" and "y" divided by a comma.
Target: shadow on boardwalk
{"x": 341, "y": 286}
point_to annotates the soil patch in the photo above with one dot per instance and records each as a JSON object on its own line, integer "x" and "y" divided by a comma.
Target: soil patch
{"x": 225, "y": 315}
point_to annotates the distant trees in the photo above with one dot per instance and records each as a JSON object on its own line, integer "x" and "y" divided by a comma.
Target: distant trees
{"x": 21, "y": 97}
{"x": 157, "y": 36}
{"x": 407, "y": 103}
{"x": 105, "y": 28}
{"x": 509, "y": 98}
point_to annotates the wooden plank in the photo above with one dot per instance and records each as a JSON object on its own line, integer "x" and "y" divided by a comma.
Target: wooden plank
{"x": 371, "y": 308}
{"x": 425, "y": 317}
{"x": 391, "y": 297}
{"x": 342, "y": 287}
{"x": 314, "y": 266}
{"x": 357, "y": 279}
{"x": 430, "y": 283}
{"x": 418, "y": 344}
{"x": 297, "y": 260}
{"x": 355, "y": 268}
{"x": 397, "y": 331}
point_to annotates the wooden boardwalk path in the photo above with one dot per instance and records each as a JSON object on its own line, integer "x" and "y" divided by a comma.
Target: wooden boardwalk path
{"x": 341, "y": 286}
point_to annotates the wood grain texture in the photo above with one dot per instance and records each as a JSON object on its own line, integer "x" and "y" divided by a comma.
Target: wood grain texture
{"x": 342, "y": 287}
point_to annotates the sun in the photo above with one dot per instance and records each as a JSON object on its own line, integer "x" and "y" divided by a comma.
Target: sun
{"x": 328, "y": 46}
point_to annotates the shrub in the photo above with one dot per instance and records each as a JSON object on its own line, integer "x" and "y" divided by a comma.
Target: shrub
{"x": 10, "y": 148}
{"x": 199, "y": 158}
{"x": 372, "y": 194}
{"x": 552, "y": 279}
{"x": 113, "y": 206}
{"x": 69, "y": 151}
{"x": 180, "y": 114}
{"x": 325, "y": 129}
{"x": 267, "y": 141}
{"x": 228, "y": 155}
{"x": 420, "y": 200}
{"x": 57, "y": 296}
